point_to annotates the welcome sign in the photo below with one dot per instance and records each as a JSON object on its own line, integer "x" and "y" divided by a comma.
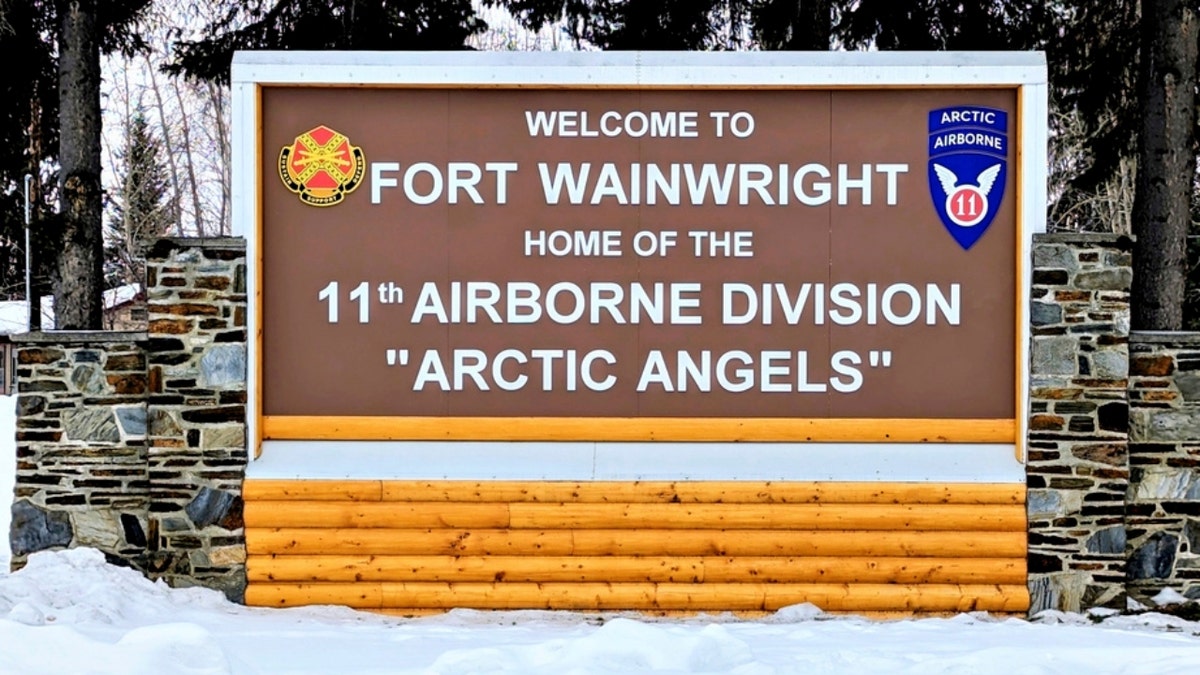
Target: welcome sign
{"x": 794, "y": 254}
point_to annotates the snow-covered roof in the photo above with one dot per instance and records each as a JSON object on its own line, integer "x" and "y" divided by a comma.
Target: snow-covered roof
{"x": 115, "y": 297}
{"x": 14, "y": 317}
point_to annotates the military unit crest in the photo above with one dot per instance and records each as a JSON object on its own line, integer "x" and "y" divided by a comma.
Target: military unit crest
{"x": 968, "y": 161}
{"x": 321, "y": 166}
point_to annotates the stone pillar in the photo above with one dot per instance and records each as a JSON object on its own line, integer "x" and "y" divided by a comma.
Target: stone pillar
{"x": 1078, "y": 445}
{"x": 196, "y": 304}
{"x": 1163, "y": 503}
{"x": 135, "y": 443}
{"x": 81, "y": 475}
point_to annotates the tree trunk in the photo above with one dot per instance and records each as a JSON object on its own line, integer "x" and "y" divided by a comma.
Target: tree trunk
{"x": 80, "y": 261}
{"x": 190, "y": 164}
{"x": 176, "y": 186}
{"x": 1166, "y": 163}
{"x": 33, "y": 301}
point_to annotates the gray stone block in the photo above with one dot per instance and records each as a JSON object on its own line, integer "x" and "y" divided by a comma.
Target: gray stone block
{"x": 36, "y": 529}
{"x": 1117, "y": 279}
{"x": 1110, "y": 364}
{"x": 30, "y": 405}
{"x": 232, "y": 436}
{"x": 1045, "y": 314}
{"x": 211, "y": 506}
{"x": 1118, "y": 259}
{"x": 1109, "y": 540}
{"x": 97, "y": 425}
{"x": 1054, "y": 355}
{"x": 1191, "y": 535}
{"x": 89, "y": 379}
{"x": 162, "y": 423}
{"x": 1044, "y": 503}
{"x": 1054, "y": 256}
{"x": 1189, "y": 386}
{"x": 1164, "y": 425}
{"x": 98, "y": 528}
{"x": 1061, "y": 591}
{"x": 132, "y": 420}
{"x": 1155, "y": 559}
{"x": 223, "y": 365}
{"x": 1155, "y": 483}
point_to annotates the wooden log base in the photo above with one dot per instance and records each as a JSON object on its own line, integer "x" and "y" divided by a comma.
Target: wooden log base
{"x": 636, "y": 492}
{"x": 524, "y": 516}
{"x": 301, "y": 541}
{"x": 656, "y": 569}
{"x": 666, "y": 596}
{"x": 739, "y": 615}
{"x": 662, "y": 548}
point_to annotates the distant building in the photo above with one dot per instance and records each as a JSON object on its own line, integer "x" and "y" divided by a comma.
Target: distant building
{"x": 124, "y": 309}
{"x": 14, "y": 318}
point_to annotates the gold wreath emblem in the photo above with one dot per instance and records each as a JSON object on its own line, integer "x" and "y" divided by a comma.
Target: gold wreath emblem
{"x": 321, "y": 166}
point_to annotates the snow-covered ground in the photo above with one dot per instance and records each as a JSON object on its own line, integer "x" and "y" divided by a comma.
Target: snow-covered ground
{"x": 8, "y": 469}
{"x": 69, "y": 612}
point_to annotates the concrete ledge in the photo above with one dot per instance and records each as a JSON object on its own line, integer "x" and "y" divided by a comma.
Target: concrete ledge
{"x": 1123, "y": 242}
{"x": 1182, "y": 338}
{"x": 163, "y": 247}
{"x": 74, "y": 337}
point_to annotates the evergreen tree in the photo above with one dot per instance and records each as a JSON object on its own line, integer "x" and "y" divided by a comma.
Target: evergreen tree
{"x": 84, "y": 26}
{"x": 50, "y": 116}
{"x": 28, "y": 143}
{"x": 792, "y": 24}
{"x": 141, "y": 212}
{"x": 639, "y": 24}
{"x": 935, "y": 25}
{"x": 1166, "y": 162}
{"x": 326, "y": 24}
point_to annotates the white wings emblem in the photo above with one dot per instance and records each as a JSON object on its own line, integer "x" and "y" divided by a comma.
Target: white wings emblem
{"x": 949, "y": 181}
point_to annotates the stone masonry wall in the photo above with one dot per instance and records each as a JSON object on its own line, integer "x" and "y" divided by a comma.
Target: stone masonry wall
{"x": 1078, "y": 451}
{"x": 1163, "y": 501}
{"x": 196, "y": 374}
{"x": 81, "y": 476}
{"x": 134, "y": 443}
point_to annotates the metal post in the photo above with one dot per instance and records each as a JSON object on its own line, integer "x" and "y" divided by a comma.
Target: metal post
{"x": 29, "y": 320}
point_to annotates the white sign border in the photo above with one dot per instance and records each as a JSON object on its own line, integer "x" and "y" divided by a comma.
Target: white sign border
{"x": 1025, "y": 71}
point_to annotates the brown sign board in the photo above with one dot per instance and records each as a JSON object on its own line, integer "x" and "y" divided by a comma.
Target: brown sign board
{"x": 626, "y": 253}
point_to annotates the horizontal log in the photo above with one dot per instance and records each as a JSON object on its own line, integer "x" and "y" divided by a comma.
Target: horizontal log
{"x": 254, "y": 489}
{"x": 539, "y": 516}
{"x": 967, "y": 544}
{"x": 659, "y": 569}
{"x": 328, "y": 514}
{"x": 763, "y": 429}
{"x": 699, "y": 492}
{"x": 745, "y": 614}
{"x": 929, "y": 517}
{"x": 635, "y": 596}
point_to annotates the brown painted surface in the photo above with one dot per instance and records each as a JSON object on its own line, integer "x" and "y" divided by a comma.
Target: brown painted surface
{"x": 312, "y": 367}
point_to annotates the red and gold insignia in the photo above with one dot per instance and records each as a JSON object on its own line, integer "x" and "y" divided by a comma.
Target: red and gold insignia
{"x": 321, "y": 166}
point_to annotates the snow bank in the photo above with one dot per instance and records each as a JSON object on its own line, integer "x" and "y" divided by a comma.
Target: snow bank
{"x": 70, "y": 612}
{"x": 77, "y": 586}
{"x": 8, "y": 470}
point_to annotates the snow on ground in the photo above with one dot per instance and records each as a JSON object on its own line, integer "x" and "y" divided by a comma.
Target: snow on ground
{"x": 8, "y": 470}
{"x": 70, "y": 612}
